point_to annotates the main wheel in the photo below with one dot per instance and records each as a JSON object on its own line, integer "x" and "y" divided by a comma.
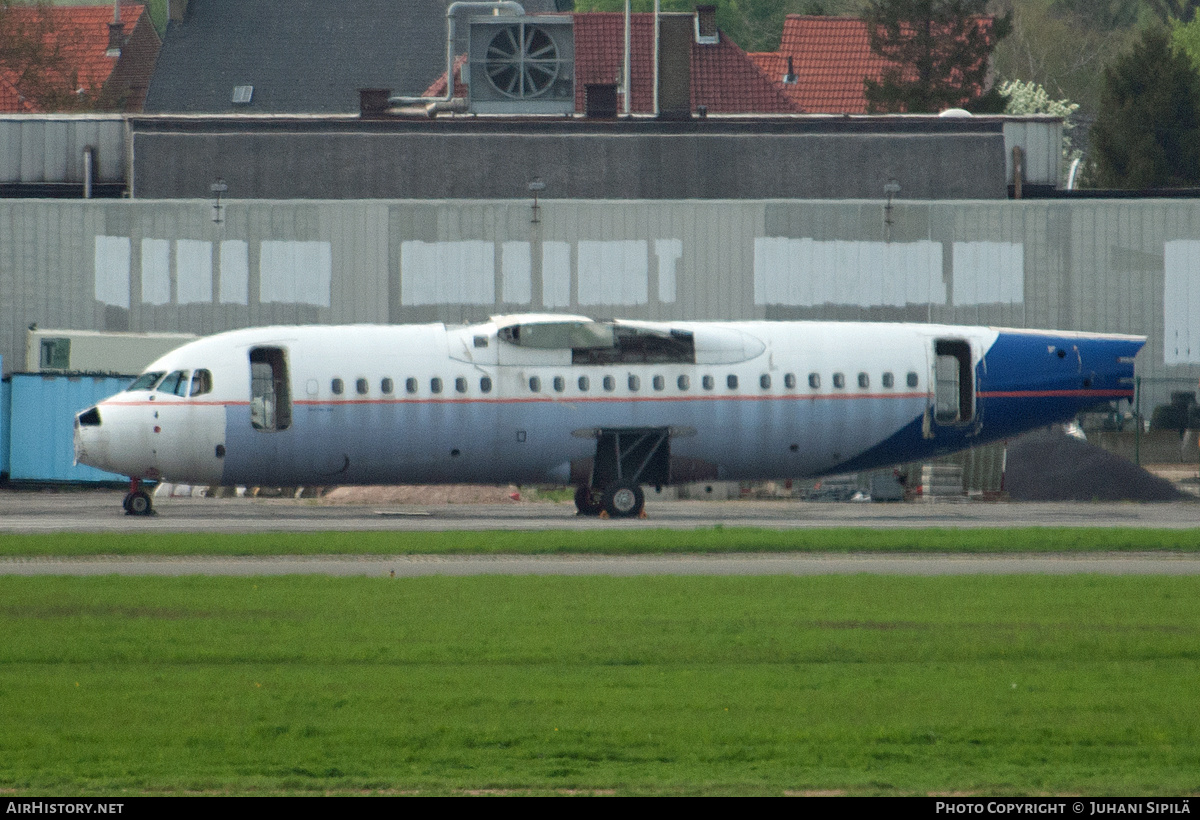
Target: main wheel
{"x": 624, "y": 500}
{"x": 138, "y": 503}
{"x": 587, "y": 501}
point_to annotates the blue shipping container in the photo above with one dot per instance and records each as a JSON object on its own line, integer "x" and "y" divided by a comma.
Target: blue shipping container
{"x": 41, "y": 425}
{"x": 5, "y": 407}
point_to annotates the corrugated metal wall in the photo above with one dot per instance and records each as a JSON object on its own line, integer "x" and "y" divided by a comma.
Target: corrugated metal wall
{"x": 1119, "y": 265}
{"x": 49, "y": 147}
{"x": 41, "y": 425}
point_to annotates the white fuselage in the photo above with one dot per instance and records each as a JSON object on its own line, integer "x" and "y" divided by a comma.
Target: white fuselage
{"x": 526, "y": 398}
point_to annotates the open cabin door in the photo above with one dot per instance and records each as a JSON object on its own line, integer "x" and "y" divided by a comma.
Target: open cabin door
{"x": 953, "y": 382}
{"x": 270, "y": 389}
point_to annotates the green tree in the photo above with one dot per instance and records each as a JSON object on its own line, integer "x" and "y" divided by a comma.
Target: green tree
{"x": 1147, "y": 134}
{"x": 940, "y": 51}
{"x": 1185, "y": 37}
{"x": 1172, "y": 10}
{"x": 35, "y": 60}
{"x": 1063, "y": 50}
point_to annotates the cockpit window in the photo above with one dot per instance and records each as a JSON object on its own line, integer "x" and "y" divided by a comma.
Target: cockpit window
{"x": 176, "y": 383}
{"x": 201, "y": 382}
{"x": 145, "y": 381}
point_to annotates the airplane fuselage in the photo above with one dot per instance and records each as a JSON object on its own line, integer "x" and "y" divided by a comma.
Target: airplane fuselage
{"x": 532, "y": 399}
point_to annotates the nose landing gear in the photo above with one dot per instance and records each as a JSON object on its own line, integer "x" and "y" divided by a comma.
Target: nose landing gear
{"x": 137, "y": 500}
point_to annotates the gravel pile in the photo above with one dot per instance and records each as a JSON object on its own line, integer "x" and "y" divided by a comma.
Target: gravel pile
{"x": 1052, "y": 466}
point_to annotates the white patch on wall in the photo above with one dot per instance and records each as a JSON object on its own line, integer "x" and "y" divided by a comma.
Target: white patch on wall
{"x": 613, "y": 272}
{"x": 808, "y": 273}
{"x": 1181, "y": 301}
{"x": 111, "y": 261}
{"x": 556, "y": 274}
{"x": 235, "y": 272}
{"x": 669, "y": 252}
{"x": 516, "y": 273}
{"x": 439, "y": 273}
{"x": 193, "y": 271}
{"x": 295, "y": 272}
{"x": 156, "y": 271}
{"x": 988, "y": 273}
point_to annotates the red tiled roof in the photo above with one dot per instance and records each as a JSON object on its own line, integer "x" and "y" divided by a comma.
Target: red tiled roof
{"x": 724, "y": 79}
{"x": 11, "y": 100}
{"x": 81, "y": 35}
{"x": 831, "y": 56}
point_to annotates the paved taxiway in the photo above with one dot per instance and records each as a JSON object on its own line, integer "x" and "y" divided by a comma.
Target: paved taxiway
{"x": 99, "y": 511}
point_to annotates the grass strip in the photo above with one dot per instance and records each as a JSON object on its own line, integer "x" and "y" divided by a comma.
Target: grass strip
{"x": 610, "y": 542}
{"x": 649, "y": 685}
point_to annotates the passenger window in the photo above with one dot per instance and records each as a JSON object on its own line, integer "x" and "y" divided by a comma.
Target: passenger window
{"x": 535, "y": 384}
{"x": 435, "y": 385}
{"x": 610, "y": 383}
{"x": 683, "y": 382}
{"x": 634, "y": 383}
{"x": 410, "y": 385}
{"x": 386, "y": 386}
{"x": 764, "y": 381}
{"x": 864, "y": 380}
{"x": 584, "y": 384}
{"x": 814, "y": 380}
{"x": 889, "y": 380}
{"x": 361, "y": 387}
{"x": 731, "y": 381}
{"x": 707, "y": 382}
{"x": 201, "y": 382}
{"x": 485, "y": 384}
{"x": 913, "y": 381}
{"x": 789, "y": 381}
{"x": 839, "y": 380}
{"x": 336, "y": 386}
{"x": 659, "y": 383}
{"x": 460, "y": 384}
{"x": 560, "y": 384}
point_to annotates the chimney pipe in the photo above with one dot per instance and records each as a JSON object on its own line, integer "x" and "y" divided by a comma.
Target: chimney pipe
{"x": 116, "y": 32}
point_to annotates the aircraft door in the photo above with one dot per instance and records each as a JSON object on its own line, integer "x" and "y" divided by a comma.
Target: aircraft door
{"x": 953, "y": 382}
{"x": 270, "y": 389}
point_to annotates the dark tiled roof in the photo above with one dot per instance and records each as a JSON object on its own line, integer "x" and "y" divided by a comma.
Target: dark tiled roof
{"x": 80, "y": 33}
{"x": 301, "y": 56}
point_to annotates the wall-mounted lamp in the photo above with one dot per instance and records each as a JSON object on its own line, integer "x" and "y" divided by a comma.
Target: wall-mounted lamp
{"x": 536, "y": 186}
{"x": 219, "y": 187}
{"x": 890, "y": 189}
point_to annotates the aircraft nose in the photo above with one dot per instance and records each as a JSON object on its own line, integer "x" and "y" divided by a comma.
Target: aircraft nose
{"x": 85, "y": 420}
{"x": 88, "y": 418}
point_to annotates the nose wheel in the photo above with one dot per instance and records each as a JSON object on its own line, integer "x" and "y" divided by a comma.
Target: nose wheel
{"x": 137, "y": 500}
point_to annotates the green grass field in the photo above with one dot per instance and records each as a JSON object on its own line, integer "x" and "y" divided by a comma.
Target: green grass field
{"x": 608, "y": 542}
{"x": 658, "y": 685}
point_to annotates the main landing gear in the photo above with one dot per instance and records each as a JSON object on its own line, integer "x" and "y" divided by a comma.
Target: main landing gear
{"x": 625, "y": 459}
{"x": 137, "y": 500}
